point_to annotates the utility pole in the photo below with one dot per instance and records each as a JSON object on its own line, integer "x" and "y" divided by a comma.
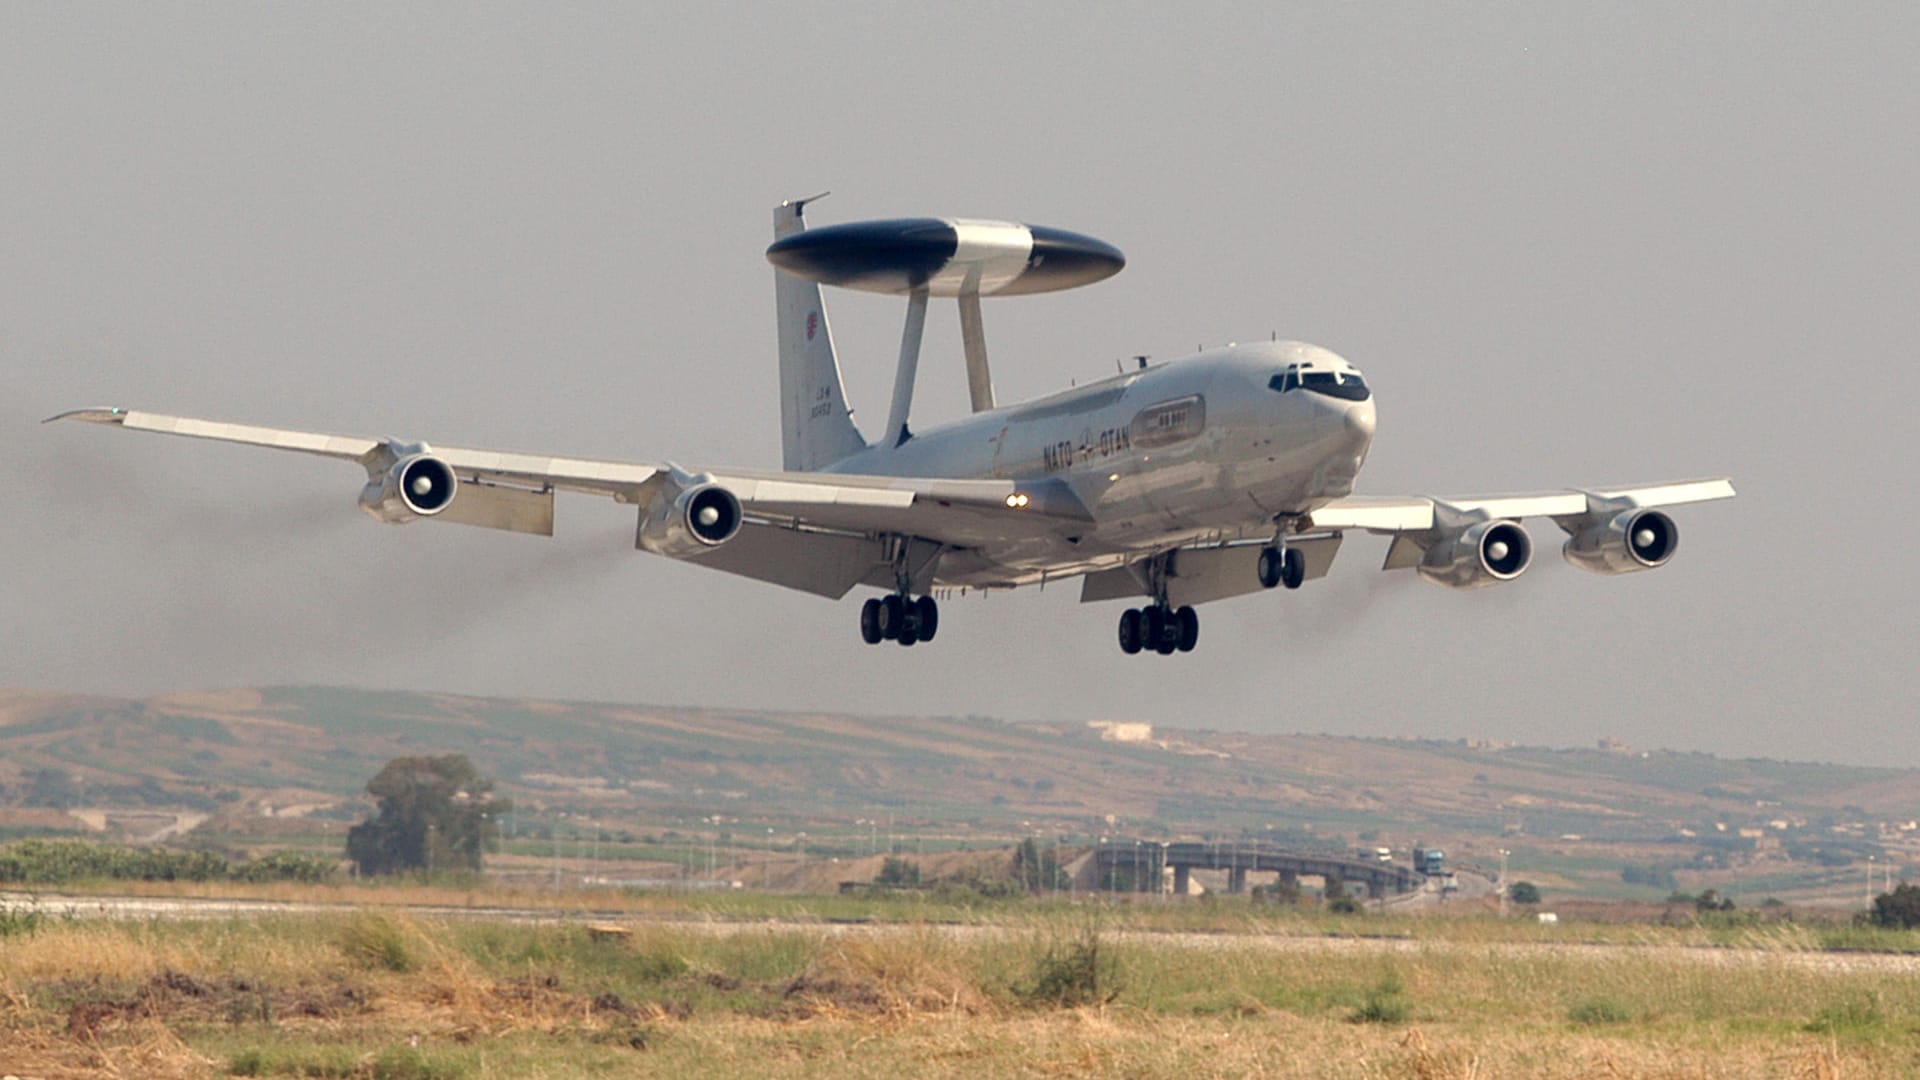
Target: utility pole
{"x": 1503, "y": 881}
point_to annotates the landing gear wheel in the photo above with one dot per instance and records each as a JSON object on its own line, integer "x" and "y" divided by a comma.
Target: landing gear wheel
{"x": 1130, "y": 631}
{"x": 1189, "y": 621}
{"x": 909, "y": 633}
{"x": 870, "y": 621}
{"x": 1271, "y": 565}
{"x": 1294, "y": 569}
{"x": 1153, "y": 627}
{"x": 893, "y": 616}
{"x": 929, "y": 612}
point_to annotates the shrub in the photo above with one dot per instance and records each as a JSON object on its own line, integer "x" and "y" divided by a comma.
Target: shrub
{"x": 1524, "y": 892}
{"x": 1596, "y": 1011}
{"x": 19, "y": 921}
{"x": 377, "y": 941}
{"x": 1853, "y": 1016}
{"x": 1079, "y": 972}
{"x": 1384, "y": 1004}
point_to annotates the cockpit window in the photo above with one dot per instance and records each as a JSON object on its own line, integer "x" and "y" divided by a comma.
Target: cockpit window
{"x": 1347, "y": 385}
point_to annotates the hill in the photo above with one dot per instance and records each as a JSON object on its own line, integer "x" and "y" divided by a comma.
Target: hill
{"x": 257, "y": 761}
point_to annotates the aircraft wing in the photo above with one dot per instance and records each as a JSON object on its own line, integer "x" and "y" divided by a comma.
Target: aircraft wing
{"x": 829, "y": 521}
{"x": 1419, "y": 522}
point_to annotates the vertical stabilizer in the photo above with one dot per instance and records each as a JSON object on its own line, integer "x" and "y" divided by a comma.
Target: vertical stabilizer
{"x": 815, "y": 419}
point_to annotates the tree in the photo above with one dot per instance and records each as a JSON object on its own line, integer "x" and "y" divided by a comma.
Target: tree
{"x": 897, "y": 871}
{"x": 1037, "y": 870}
{"x": 1711, "y": 900}
{"x": 1524, "y": 892}
{"x": 436, "y": 813}
{"x": 1899, "y": 908}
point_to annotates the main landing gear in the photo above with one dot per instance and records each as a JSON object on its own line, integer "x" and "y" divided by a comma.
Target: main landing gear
{"x": 899, "y": 618}
{"x": 1159, "y": 628}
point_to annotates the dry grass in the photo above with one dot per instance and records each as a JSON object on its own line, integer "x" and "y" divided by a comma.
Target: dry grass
{"x": 374, "y": 994}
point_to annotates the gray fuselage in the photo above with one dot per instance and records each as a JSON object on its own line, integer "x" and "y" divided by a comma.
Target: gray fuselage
{"x": 1212, "y": 447}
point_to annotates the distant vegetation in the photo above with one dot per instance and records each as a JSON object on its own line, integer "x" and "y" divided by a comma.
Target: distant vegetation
{"x": 66, "y": 862}
{"x": 1898, "y": 909}
{"x": 1660, "y": 877}
{"x": 685, "y": 787}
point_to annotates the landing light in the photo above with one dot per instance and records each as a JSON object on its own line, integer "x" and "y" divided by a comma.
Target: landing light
{"x": 1017, "y": 500}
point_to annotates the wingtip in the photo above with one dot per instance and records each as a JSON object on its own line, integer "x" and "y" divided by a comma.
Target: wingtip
{"x": 99, "y": 414}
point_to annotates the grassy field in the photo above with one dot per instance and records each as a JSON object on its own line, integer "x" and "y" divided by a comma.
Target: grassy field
{"x": 1145, "y": 991}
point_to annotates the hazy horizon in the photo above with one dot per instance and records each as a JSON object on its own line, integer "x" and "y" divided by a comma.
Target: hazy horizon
{"x": 1568, "y": 246}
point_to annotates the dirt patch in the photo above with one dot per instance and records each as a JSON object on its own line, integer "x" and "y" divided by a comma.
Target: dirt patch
{"x": 97, "y": 1008}
{"x": 810, "y": 996}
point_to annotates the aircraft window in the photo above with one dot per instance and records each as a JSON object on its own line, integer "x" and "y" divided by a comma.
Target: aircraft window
{"x": 1348, "y": 386}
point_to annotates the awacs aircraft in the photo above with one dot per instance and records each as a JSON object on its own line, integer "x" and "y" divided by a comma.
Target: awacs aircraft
{"x": 1227, "y": 472}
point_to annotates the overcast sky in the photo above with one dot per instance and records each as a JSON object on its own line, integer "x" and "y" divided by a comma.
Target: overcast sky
{"x": 1568, "y": 244}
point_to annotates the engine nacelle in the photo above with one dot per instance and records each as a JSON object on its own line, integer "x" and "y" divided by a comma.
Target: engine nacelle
{"x": 1482, "y": 554}
{"x": 417, "y": 486}
{"x": 1630, "y": 540}
{"x": 700, "y": 517}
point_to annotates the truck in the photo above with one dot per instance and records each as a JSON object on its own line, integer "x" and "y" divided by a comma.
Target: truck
{"x": 1429, "y": 861}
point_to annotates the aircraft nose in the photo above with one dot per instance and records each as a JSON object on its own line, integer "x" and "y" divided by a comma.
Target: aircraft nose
{"x": 1360, "y": 420}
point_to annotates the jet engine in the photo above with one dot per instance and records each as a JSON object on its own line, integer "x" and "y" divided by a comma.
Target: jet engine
{"x": 701, "y": 516}
{"x": 416, "y": 486}
{"x": 1482, "y": 554}
{"x": 1630, "y": 540}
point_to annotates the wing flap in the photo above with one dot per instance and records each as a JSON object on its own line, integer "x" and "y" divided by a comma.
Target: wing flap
{"x": 823, "y": 564}
{"x": 1203, "y": 575}
{"x": 492, "y": 506}
{"x": 589, "y": 475}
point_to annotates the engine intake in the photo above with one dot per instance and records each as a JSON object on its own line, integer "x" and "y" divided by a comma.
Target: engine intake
{"x": 1630, "y": 540}
{"x": 700, "y": 517}
{"x": 1479, "y": 555}
{"x": 417, "y": 486}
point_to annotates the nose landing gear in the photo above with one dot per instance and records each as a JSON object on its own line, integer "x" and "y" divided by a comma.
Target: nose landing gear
{"x": 1282, "y": 566}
